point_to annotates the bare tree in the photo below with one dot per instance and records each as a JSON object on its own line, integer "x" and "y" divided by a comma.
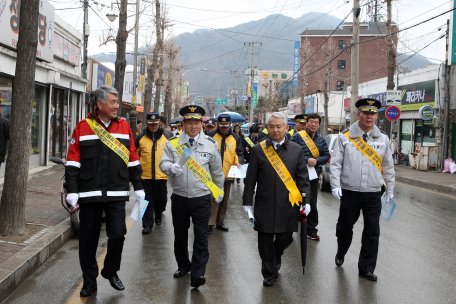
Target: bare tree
{"x": 305, "y": 53}
{"x": 328, "y": 50}
{"x": 391, "y": 65}
{"x": 121, "y": 41}
{"x": 12, "y": 208}
{"x": 209, "y": 100}
{"x": 152, "y": 66}
{"x": 159, "y": 81}
{"x": 171, "y": 53}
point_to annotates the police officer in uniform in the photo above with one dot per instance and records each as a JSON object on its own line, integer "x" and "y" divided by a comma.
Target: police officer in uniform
{"x": 191, "y": 197}
{"x": 149, "y": 146}
{"x": 179, "y": 128}
{"x": 357, "y": 182}
{"x": 211, "y": 124}
{"x": 301, "y": 123}
{"x": 232, "y": 153}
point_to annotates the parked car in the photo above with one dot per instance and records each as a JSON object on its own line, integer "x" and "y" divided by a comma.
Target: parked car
{"x": 324, "y": 175}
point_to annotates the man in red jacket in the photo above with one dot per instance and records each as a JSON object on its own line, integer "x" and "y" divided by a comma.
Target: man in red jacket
{"x": 101, "y": 162}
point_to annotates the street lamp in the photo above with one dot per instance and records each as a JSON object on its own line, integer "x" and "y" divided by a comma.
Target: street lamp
{"x": 193, "y": 70}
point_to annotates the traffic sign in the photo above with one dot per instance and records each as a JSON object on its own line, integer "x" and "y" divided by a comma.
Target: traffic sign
{"x": 393, "y": 113}
{"x": 393, "y": 97}
{"x": 219, "y": 101}
{"x": 244, "y": 98}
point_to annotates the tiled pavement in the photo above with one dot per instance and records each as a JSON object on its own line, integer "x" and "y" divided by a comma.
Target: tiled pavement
{"x": 42, "y": 207}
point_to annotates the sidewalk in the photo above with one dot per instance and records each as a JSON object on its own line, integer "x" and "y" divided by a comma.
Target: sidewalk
{"x": 431, "y": 180}
{"x": 46, "y": 216}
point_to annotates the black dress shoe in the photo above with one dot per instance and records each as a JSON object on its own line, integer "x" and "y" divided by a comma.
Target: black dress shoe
{"x": 368, "y": 276}
{"x": 339, "y": 261}
{"x": 146, "y": 230}
{"x": 87, "y": 291}
{"x": 279, "y": 265}
{"x": 180, "y": 273}
{"x": 221, "y": 227}
{"x": 115, "y": 282}
{"x": 268, "y": 282}
{"x": 197, "y": 282}
{"x": 210, "y": 229}
{"x": 158, "y": 220}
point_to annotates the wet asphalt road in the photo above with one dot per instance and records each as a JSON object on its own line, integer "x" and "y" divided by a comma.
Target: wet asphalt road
{"x": 416, "y": 262}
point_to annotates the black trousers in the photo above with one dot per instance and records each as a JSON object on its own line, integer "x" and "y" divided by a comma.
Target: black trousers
{"x": 351, "y": 204}
{"x": 157, "y": 196}
{"x": 199, "y": 208}
{"x": 312, "y": 218}
{"x": 89, "y": 232}
{"x": 271, "y": 251}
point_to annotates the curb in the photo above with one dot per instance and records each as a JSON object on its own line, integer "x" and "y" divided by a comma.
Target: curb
{"x": 428, "y": 185}
{"x": 15, "y": 270}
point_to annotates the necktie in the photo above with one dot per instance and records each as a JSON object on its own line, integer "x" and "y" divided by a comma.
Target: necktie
{"x": 191, "y": 140}
{"x": 277, "y": 147}
{"x": 365, "y": 137}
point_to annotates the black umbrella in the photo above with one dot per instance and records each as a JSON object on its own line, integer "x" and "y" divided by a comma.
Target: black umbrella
{"x": 303, "y": 241}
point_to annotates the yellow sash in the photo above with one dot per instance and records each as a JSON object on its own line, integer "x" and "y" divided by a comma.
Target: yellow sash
{"x": 197, "y": 170}
{"x": 109, "y": 140}
{"x": 370, "y": 153}
{"x": 249, "y": 141}
{"x": 282, "y": 171}
{"x": 310, "y": 144}
{"x": 291, "y": 132}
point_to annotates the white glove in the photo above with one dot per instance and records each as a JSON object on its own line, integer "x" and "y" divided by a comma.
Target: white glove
{"x": 306, "y": 209}
{"x": 72, "y": 199}
{"x": 247, "y": 208}
{"x": 219, "y": 199}
{"x": 389, "y": 197}
{"x": 176, "y": 169}
{"x": 140, "y": 194}
{"x": 337, "y": 193}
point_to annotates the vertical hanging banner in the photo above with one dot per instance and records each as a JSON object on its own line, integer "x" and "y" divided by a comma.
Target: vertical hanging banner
{"x": 296, "y": 64}
{"x": 9, "y": 27}
{"x": 142, "y": 74}
{"x": 185, "y": 88}
{"x": 452, "y": 32}
{"x": 255, "y": 91}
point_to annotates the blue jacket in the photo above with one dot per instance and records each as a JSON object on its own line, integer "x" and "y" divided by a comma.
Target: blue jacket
{"x": 322, "y": 147}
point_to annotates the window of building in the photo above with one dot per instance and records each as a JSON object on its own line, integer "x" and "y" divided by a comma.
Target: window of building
{"x": 342, "y": 44}
{"x": 341, "y": 64}
{"x": 340, "y": 86}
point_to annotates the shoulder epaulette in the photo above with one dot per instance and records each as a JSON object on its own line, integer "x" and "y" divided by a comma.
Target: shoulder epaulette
{"x": 174, "y": 137}
{"x": 383, "y": 132}
{"x": 343, "y": 131}
{"x": 210, "y": 139}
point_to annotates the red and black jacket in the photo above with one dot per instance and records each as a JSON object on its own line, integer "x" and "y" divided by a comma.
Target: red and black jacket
{"x": 96, "y": 172}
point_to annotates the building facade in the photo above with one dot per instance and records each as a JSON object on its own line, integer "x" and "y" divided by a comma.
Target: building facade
{"x": 58, "y": 102}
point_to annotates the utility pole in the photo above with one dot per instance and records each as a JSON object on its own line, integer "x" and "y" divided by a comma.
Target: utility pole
{"x": 355, "y": 62}
{"x": 446, "y": 134}
{"x": 86, "y": 37}
{"x": 235, "y": 89}
{"x": 390, "y": 67}
{"x": 133, "y": 113}
{"x": 252, "y": 75}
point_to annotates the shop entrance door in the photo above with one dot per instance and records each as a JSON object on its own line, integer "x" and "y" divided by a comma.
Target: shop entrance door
{"x": 58, "y": 124}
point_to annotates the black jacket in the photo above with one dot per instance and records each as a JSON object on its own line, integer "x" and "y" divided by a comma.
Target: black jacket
{"x": 273, "y": 211}
{"x": 5, "y": 125}
{"x": 255, "y": 140}
{"x": 322, "y": 147}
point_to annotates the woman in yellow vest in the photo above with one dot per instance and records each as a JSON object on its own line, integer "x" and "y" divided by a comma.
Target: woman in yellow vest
{"x": 150, "y": 145}
{"x": 232, "y": 153}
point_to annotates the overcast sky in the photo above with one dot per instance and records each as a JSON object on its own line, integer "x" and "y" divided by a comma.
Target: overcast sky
{"x": 187, "y": 16}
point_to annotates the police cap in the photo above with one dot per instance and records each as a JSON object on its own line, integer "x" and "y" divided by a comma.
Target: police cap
{"x": 152, "y": 118}
{"x": 368, "y": 105}
{"x": 224, "y": 120}
{"x": 301, "y": 118}
{"x": 192, "y": 112}
{"x": 211, "y": 122}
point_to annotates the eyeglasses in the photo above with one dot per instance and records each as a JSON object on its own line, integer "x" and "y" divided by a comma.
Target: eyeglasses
{"x": 313, "y": 122}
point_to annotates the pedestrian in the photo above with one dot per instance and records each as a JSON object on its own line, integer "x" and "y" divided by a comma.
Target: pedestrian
{"x": 211, "y": 124}
{"x": 278, "y": 193}
{"x": 316, "y": 154}
{"x": 168, "y": 134}
{"x": 169, "y": 128}
{"x": 193, "y": 185}
{"x": 264, "y": 134}
{"x": 360, "y": 164}
{"x": 138, "y": 127}
{"x": 232, "y": 154}
{"x": 301, "y": 124}
{"x": 97, "y": 177}
{"x": 237, "y": 131}
{"x": 179, "y": 128}
{"x": 5, "y": 125}
{"x": 249, "y": 142}
{"x": 150, "y": 145}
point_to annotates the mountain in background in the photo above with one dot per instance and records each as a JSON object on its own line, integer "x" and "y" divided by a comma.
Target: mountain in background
{"x": 223, "y": 51}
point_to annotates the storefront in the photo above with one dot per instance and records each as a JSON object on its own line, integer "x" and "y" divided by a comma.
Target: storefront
{"x": 414, "y": 131}
{"x": 57, "y": 102}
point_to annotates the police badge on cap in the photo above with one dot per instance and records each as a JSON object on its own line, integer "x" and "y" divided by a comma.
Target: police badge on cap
{"x": 152, "y": 118}
{"x": 301, "y": 118}
{"x": 224, "y": 120}
{"x": 192, "y": 112}
{"x": 368, "y": 105}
